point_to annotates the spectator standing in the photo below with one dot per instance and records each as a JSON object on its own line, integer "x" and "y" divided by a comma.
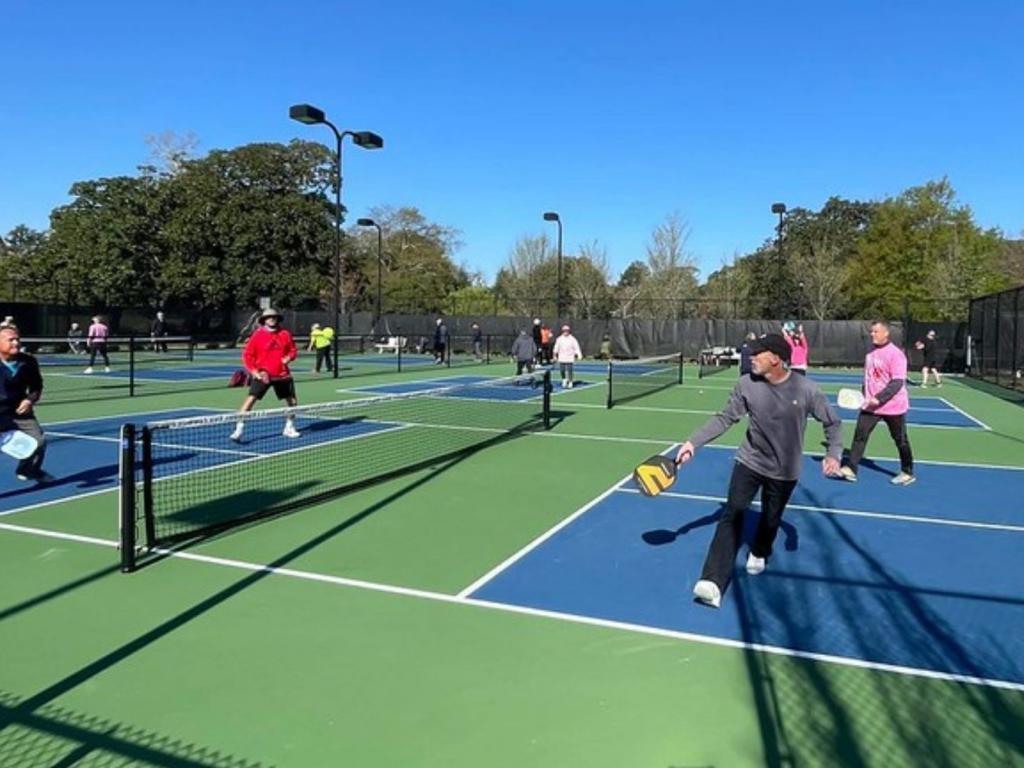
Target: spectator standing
{"x": 478, "y": 342}
{"x": 96, "y": 341}
{"x": 524, "y": 352}
{"x": 567, "y": 352}
{"x": 157, "y": 332}
{"x": 440, "y": 341}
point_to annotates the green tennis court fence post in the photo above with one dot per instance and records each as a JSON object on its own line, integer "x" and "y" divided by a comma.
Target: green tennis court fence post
{"x": 191, "y": 355}
{"x": 398, "y": 353}
{"x": 680, "y": 366}
{"x": 147, "y": 487}
{"x": 547, "y": 399}
{"x": 487, "y": 354}
{"x": 611, "y": 379}
{"x": 131, "y": 365}
{"x": 448, "y": 351}
{"x": 126, "y": 499}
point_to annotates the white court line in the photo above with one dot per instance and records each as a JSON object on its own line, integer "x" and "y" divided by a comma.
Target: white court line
{"x": 514, "y": 557}
{"x": 966, "y": 414}
{"x": 852, "y": 512}
{"x": 61, "y": 500}
{"x": 125, "y": 415}
{"x": 544, "y": 614}
{"x": 642, "y": 408}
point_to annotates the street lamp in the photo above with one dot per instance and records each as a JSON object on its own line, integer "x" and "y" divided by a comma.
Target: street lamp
{"x": 380, "y": 258}
{"x": 552, "y": 216}
{"x": 310, "y": 115}
{"x": 780, "y": 209}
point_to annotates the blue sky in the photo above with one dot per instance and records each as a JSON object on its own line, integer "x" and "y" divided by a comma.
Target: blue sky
{"x": 613, "y": 114}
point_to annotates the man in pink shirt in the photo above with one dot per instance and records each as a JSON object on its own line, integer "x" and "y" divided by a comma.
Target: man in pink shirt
{"x": 885, "y": 399}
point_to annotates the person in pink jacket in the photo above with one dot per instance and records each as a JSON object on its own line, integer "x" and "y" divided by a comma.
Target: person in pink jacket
{"x": 794, "y": 335}
{"x": 567, "y": 351}
{"x": 885, "y": 399}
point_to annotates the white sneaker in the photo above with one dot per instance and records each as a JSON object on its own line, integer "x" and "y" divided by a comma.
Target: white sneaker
{"x": 290, "y": 430}
{"x": 708, "y": 593}
{"x": 569, "y": 385}
{"x": 88, "y": 370}
{"x": 848, "y": 474}
{"x": 903, "y": 479}
{"x": 755, "y": 565}
{"x": 106, "y": 369}
{"x": 237, "y": 434}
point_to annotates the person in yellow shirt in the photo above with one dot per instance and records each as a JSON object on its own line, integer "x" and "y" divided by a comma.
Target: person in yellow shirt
{"x": 321, "y": 340}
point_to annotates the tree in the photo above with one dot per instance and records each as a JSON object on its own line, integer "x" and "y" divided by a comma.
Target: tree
{"x": 629, "y": 286}
{"x": 419, "y": 275}
{"x": 922, "y": 250}
{"x": 25, "y": 279}
{"x": 587, "y": 280}
{"x": 528, "y": 281}
{"x": 249, "y": 222}
{"x": 672, "y": 272}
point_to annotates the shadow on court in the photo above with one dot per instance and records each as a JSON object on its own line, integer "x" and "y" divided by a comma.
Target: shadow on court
{"x": 57, "y": 736}
{"x": 812, "y": 713}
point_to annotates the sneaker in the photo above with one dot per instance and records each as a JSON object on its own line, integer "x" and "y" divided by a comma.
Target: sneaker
{"x": 106, "y": 369}
{"x": 755, "y": 565}
{"x": 569, "y": 385}
{"x": 290, "y": 430}
{"x": 708, "y": 593}
{"x": 40, "y": 477}
{"x": 848, "y": 474}
{"x": 88, "y": 370}
{"x": 237, "y": 434}
{"x": 903, "y": 479}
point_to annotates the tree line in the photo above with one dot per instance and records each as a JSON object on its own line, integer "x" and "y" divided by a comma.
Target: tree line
{"x": 214, "y": 233}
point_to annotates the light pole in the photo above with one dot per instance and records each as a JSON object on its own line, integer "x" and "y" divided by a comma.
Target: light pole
{"x": 552, "y": 216}
{"x": 310, "y": 115}
{"x": 380, "y": 258}
{"x": 780, "y": 209}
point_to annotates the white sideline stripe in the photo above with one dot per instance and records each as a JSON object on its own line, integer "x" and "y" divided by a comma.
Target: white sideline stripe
{"x": 966, "y": 414}
{"x": 126, "y": 416}
{"x": 509, "y": 561}
{"x": 161, "y": 445}
{"x": 540, "y": 613}
{"x": 641, "y": 408}
{"x": 853, "y": 512}
{"x": 51, "y": 502}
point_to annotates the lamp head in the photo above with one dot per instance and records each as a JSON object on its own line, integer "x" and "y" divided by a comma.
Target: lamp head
{"x": 778, "y": 207}
{"x": 366, "y": 223}
{"x": 306, "y": 113}
{"x": 551, "y": 216}
{"x": 367, "y": 140}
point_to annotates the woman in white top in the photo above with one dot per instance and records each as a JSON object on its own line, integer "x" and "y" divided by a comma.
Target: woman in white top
{"x": 567, "y": 351}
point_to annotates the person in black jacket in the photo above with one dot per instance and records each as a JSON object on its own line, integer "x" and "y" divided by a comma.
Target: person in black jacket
{"x": 21, "y": 386}
{"x": 157, "y": 332}
{"x": 440, "y": 341}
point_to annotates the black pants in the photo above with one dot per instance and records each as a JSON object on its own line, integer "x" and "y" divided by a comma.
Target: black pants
{"x": 521, "y": 364}
{"x": 323, "y": 354}
{"x": 33, "y": 465}
{"x": 743, "y": 486}
{"x": 866, "y": 422}
{"x": 100, "y": 349}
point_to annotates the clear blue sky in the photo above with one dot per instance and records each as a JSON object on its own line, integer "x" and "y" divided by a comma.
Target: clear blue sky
{"x": 612, "y": 114}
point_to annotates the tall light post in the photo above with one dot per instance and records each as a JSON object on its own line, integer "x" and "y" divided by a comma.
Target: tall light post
{"x": 552, "y": 216}
{"x": 380, "y": 259}
{"x": 310, "y": 115}
{"x": 780, "y": 209}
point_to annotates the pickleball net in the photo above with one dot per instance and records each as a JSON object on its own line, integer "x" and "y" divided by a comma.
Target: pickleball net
{"x": 632, "y": 379}
{"x": 186, "y": 479}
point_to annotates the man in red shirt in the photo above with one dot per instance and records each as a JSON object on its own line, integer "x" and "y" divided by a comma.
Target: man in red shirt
{"x": 266, "y": 358}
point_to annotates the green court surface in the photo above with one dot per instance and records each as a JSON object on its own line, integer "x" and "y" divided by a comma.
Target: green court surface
{"x": 346, "y": 633}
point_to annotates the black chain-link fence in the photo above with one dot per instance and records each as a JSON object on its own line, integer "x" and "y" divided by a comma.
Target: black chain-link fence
{"x": 997, "y": 338}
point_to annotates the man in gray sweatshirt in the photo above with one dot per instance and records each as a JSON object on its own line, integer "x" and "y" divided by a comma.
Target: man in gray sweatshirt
{"x": 769, "y": 459}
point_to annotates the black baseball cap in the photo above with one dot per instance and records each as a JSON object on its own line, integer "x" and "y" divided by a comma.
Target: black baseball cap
{"x": 771, "y": 342}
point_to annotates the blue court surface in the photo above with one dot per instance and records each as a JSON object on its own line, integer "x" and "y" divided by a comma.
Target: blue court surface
{"x": 926, "y": 411}
{"x": 81, "y": 455}
{"x": 920, "y": 577}
{"x": 511, "y": 392}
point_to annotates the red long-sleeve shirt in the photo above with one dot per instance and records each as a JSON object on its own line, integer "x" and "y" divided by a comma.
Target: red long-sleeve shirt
{"x": 270, "y": 351}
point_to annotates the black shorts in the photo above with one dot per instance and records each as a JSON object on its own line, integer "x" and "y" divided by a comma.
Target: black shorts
{"x": 283, "y": 388}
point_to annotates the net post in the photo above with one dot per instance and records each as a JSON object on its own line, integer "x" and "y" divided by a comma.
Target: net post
{"x": 547, "y": 399}
{"x": 147, "y": 486}
{"x": 336, "y": 353}
{"x": 126, "y": 498}
{"x": 131, "y": 365}
{"x": 398, "y": 352}
{"x": 611, "y": 400}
